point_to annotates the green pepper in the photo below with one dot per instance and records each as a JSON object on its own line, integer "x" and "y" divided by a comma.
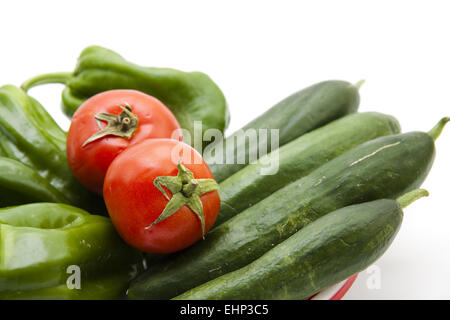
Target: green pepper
{"x": 29, "y": 135}
{"x": 191, "y": 96}
{"x": 56, "y": 251}
{"x": 21, "y": 184}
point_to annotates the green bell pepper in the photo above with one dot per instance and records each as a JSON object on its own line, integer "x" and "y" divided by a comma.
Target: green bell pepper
{"x": 29, "y": 135}
{"x": 56, "y": 251}
{"x": 191, "y": 96}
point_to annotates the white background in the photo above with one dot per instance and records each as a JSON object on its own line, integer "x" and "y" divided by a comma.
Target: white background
{"x": 259, "y": 52}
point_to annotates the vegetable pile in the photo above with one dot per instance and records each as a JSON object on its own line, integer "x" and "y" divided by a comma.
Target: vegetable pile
{"x": 130, "y": 204}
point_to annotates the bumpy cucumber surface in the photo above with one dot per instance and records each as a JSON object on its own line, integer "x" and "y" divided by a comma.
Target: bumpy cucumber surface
{"x": 381, "y": 168}
{"x": 299, "y": 113}
{"x": 298, "y": 158}
{"x": 325, "y": 252}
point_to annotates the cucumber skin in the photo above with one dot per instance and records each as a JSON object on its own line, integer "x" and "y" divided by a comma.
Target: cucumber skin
{"x": 299, "y": 113}
{"x": 385, "y": 167}
{"x": 298, "y": 158}
{"x": 325, "y": 252}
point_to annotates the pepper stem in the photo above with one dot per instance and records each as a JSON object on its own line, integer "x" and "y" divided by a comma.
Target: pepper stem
{"x": 55, "y": 77}
{"x": 186, "y": 190}
{"x": 359, "y": 83}
{"x": 437, "y": 129}
{"x": 409, "y": 197}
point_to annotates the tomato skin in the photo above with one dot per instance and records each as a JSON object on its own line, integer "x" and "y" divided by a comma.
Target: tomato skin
{"x": 133, "y": 202}
{"x": 90, "y": 163}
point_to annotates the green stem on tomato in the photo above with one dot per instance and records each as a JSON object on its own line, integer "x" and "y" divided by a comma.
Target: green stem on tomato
{"x": 186, "y": 190}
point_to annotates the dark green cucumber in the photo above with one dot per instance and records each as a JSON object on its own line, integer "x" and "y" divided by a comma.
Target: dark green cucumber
{"x": 381, "y": 168}
{"x": 299, "y": 113}
{"x": 329, "y": 250}
{"x": 298, "y": 158}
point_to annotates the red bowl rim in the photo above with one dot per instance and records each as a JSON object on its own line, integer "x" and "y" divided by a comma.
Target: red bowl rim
{"x": 341, "y": 290}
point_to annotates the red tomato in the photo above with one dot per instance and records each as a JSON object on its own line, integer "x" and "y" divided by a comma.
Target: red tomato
{"x": 90, "y": 162}
{"x": 134, "y": 202}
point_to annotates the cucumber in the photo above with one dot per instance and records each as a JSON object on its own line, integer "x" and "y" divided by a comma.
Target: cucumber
{"x": 329, "y": 250}
{"x": 298, "y": 158}
{"x": 299, "y": 113}
{"x": 385, "y": 167}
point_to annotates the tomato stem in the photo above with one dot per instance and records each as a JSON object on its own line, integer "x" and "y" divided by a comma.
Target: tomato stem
{"x": 189, "y": 189}
{"x": 186, "y": 190}
{"x": 123, "y": 125}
